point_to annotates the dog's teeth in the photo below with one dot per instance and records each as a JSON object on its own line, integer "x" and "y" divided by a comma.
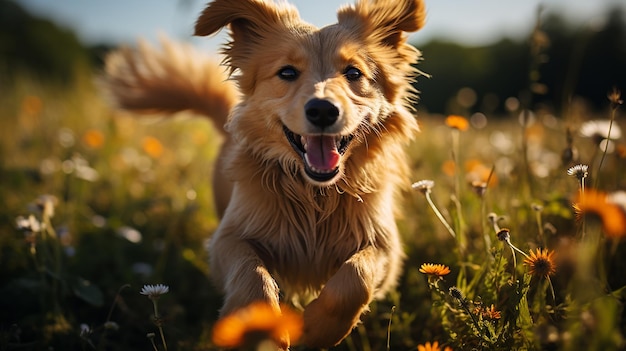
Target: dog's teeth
{"x": 303, "y": 142}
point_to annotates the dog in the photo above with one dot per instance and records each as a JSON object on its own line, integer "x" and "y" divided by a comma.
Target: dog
{"x": 308, "y": 178}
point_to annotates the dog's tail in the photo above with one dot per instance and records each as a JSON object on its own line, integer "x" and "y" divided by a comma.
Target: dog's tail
{"x": 176, "y": 78}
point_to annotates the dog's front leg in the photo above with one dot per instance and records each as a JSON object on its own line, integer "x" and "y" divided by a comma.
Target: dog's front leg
{"x": 331, "y": 317}
{"x": 241, "y": 274}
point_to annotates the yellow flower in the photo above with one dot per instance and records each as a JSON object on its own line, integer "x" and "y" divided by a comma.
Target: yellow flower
{"x": 152, "y": 146}
{"x": 93, "y": 138}
{"x": 541, "y": 263}
{"x": 258, "y": 319}
{"x": 432, "y": 347}
{"x": 438, "y": 270}
{"x": 457, "y": 122}
{"x": 594, "y": 202}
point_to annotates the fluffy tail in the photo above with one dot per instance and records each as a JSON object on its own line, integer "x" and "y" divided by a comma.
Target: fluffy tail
{"x": 176, "y": 78}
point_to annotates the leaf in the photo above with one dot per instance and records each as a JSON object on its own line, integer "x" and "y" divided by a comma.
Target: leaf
{"x": 84, "y": 290}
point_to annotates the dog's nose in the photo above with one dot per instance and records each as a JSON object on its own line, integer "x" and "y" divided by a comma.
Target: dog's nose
{"x": 321, "y": 113}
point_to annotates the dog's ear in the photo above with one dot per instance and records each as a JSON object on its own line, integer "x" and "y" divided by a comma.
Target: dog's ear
{"x": 384, "y": 20}
{"x": 250, "y": 22}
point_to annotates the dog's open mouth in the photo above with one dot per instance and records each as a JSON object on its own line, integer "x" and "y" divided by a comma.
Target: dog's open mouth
{"x": 320, "y": 153}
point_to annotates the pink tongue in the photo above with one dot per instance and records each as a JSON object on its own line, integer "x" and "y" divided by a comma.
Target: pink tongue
{"x": 321, "y": 152}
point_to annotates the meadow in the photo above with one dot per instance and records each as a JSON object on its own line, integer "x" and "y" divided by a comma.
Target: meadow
{"x": 514, "y": 228}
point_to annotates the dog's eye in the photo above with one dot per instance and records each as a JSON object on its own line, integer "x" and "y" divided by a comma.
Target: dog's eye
{"x": 352, "y": 73}
{"x": 288, "y": 73}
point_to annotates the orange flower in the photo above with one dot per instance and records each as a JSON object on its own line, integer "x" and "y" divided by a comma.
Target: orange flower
{"x": 541, "y": 263}
{"x": 594, "y": 202}
{"x": 438, "y": 270}
{"x": 478, "y": 172}
{"x": 32, "y": 105}
{"x": 93, "y": 138}
{"x": 432, "y": 347}
{"x": 152, "y": 146}
{"x": 488, "y": 312}
{"x": 457, "y": 122}
{"x": 448, "y": 168}
{"x": 257, "y": 319}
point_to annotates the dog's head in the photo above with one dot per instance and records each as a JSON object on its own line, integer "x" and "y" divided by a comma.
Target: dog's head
{"x": 314, "y": 97}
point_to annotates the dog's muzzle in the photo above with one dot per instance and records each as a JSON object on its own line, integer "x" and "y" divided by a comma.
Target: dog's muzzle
{"x": 321, "y": 153}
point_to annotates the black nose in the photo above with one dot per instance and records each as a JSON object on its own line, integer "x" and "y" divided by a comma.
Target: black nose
{"x": 321, "y": 113}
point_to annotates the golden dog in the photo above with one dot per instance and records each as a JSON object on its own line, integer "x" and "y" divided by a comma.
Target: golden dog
{"x": 315, "y": 124}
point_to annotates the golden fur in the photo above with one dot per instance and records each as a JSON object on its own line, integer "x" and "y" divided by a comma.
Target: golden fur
{"x": 318, "y": 228}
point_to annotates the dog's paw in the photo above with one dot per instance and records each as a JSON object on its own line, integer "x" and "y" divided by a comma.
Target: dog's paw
{"x": 325, "y": 326}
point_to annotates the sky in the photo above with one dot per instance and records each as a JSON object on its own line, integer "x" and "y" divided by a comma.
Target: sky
{"x": 470, "y": 22}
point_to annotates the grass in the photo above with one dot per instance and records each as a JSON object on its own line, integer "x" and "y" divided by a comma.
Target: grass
{"x": 97, "y": 204}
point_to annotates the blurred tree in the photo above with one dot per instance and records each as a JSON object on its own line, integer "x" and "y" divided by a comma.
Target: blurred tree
{"x": 37, "y": 46}
{"x": 587, "y": 62}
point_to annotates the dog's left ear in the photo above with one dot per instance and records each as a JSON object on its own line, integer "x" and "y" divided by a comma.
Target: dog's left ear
{"x": 384, "y": 20}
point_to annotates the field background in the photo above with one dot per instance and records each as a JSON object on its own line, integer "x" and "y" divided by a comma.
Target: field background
{"x": 133, "y": 203}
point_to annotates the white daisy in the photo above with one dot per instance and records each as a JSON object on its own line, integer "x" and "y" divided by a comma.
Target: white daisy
{"x": 154, "y": 291}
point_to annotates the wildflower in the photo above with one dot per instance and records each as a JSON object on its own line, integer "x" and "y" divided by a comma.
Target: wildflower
{"x": 32, "y": 105}
{"x": 152, "y": 146}
{"x": 28, "y": 225}
{"x": 432, "y": 347}
{"x": 93, "y": 139}
{"x": 505, "y": 235}
{"x": 85, "y": 330}
{"x": 423, "y": 186}
{"x": 599, "y": 204}
{"x": 45, "y": 205}
{"x": 615, "y": 97}
{"x": 154, "y": 291}
{"x": 491, "y": 313}
{"x": 257, "y": 319}
{"x": 541, "y": 263}
{"x": 438, "y": 270}
{"x": 578, "y": 171}
{"x": 457, "y": 122}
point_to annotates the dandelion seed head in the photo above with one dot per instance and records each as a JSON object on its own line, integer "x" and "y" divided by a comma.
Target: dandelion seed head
{"x": 479, "y": 187}
{"x": 154, "y": 291}
{"x": 504, "y": 235}
{"x": 423, "y": 186}
{"x": 579, "y": 171}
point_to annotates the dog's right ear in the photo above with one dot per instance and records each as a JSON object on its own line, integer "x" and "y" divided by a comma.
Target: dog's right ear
{"x": 250, "y": 22}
